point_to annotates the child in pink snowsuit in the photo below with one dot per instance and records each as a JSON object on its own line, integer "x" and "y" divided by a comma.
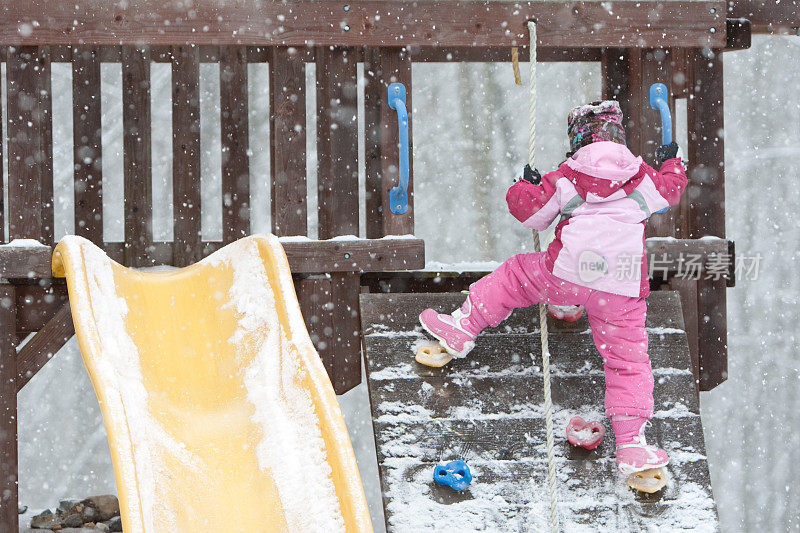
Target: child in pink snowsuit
{"x": 603, "y": 195}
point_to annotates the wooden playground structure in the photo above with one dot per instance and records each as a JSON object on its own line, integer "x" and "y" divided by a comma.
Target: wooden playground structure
{"x": 638, "y": 43}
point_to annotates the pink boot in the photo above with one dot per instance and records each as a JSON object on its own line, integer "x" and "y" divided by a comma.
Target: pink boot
{"x": 456, "y": 332}
{"x": 567, "y": 313}
{"x": 633, "y": 452}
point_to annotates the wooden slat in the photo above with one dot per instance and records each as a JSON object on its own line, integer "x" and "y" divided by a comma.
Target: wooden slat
{"x": 9, "y": 490}
{"x": 137, "y": 156}
{"x": 363, "y": 23}
{"x": 373, "y": 100}
{"x": 44, "y": 124}
{"x": 289, "y": 205}
{"x": 87, "y": 144}
{"x": 24, "y": 142}
{"x": 44, "y": 345}
{"x": 337, "y": 142}
{"x": 706, "y": 192}
{"x": 395, "y": 66}
{"x": 186, "y": 200}
{"x": 235, "y": 143}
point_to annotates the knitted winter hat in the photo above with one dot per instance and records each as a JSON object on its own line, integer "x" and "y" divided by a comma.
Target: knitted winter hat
{"x": 596, "y": 121}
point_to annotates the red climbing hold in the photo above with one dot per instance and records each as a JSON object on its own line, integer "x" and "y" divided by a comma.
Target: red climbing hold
{"x": 585, "y": 434}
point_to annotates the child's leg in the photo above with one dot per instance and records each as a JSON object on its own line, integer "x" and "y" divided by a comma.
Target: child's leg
{"x": 617, "y": 324}
{"x": 521, "y": 281}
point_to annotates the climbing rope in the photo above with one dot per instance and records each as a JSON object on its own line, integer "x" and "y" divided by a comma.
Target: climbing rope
{"x": 548, "y": 400}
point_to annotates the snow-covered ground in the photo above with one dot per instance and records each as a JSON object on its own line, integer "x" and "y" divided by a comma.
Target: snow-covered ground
{"x": 465, "y": 154}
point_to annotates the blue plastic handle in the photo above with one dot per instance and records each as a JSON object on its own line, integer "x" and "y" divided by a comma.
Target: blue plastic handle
{"x": 398, "y": 196}
{"x": 659, "y": 102}
{"x": 454, "y": 474}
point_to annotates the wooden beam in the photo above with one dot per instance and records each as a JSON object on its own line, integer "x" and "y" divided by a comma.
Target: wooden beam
{"x": 9, "y": 488}
{"x": 706, "y": 197}
{"x": 235, "y": 137}
{"x": 87, "y": 144}
{"x": 186, "y": 198}
{"x": 363, "y": 23}
{"x": 475, "y": 54}
{"x": 137, "y": 155}
{"x": 768, "y": 16}
{"x": 351, "y": 255}
{"x": 289, "y": 198}
{"x": 44, "y": 345}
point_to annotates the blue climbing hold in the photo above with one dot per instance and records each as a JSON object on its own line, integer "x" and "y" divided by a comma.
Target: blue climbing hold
{"x": 454, "y": 474}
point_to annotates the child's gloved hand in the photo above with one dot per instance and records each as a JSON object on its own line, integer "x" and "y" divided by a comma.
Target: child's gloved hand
{"x": 667, "y": 151}
{"x": 531, "y": 175}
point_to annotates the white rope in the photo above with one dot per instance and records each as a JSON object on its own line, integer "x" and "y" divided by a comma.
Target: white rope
{"x": 548, "y": 400}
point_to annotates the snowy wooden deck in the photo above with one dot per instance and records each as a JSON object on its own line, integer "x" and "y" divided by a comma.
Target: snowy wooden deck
{"x": 487, "y": 410}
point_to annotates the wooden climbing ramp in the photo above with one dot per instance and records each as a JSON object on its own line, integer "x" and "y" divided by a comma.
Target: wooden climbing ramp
{"x": 487, "y": 410}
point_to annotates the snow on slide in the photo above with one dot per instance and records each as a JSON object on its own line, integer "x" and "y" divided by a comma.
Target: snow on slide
{"x": 219, "y": 413}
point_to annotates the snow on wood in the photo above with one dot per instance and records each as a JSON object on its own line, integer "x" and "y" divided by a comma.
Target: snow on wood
{"x": 487, "y": 410}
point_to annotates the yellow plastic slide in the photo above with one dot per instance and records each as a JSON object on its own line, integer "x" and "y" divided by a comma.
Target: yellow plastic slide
{"x": 219, "y": 413}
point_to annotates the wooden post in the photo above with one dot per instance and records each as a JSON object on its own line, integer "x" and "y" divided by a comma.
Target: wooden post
{"x": 235, "y": 143}
{"x": 87, "y": 143}
{"x": 137, "y": 156}
{"x": 706, "y": 196}
{"x": 186, "y": 200}
{"x": 9, "y": 489}
{"x": 687, "y": 288}
{"x": 288, "y": 141}
{"x": 337, "y": 186}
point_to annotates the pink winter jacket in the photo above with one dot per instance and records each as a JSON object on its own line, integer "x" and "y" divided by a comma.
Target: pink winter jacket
{"x": 604, "y": 195}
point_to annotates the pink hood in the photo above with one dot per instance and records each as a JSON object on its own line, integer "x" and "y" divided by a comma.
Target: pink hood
{"x": 606, "y": 160}
{"x": 604, "y": 171}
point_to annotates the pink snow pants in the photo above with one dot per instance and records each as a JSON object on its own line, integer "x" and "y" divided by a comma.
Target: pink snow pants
{"x": 617, "y": 324}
